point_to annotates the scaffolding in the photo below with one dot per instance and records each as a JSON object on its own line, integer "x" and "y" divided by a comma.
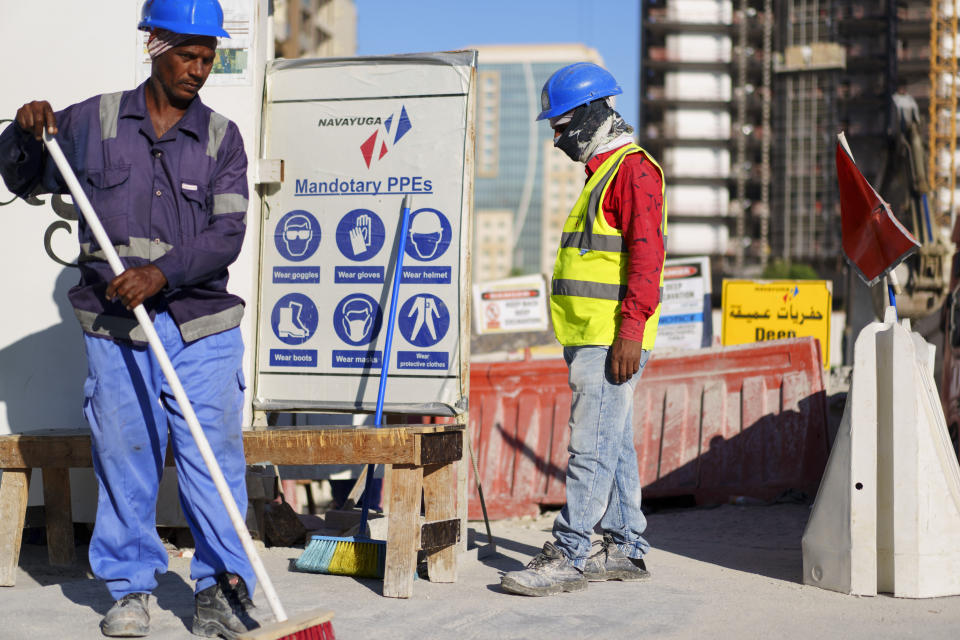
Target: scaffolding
{"x": 807, "y": 118}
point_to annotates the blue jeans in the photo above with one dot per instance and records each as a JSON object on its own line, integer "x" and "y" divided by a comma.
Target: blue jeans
{"x": 131, "y": 409}
{"x": 603, "y": 482}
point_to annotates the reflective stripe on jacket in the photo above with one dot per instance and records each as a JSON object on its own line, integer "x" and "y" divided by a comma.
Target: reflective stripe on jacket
{"x": 589, "y": 278}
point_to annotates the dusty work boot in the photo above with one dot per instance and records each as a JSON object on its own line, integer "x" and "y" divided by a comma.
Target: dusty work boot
{"x": 223, "y": 609}
{"x": 233, "y": 586}
{"x": 612, "y": 564}
{"x": 548, "y": 573}
{"x": 129, "y": 617}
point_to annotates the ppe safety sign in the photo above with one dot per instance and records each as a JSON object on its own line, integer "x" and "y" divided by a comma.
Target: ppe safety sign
{"x": 686, "y": 320}
{"x": 357, "y": 136}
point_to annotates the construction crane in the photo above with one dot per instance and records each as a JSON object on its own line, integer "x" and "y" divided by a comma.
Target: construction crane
{"x": 919, "y": 177}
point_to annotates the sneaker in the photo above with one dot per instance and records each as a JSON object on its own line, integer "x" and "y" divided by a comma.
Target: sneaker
{"x": 129, "y": 617}
{"x": 610, "y": 563}
{"x": 548, "y": 573}
{"x": 222, "y": 609}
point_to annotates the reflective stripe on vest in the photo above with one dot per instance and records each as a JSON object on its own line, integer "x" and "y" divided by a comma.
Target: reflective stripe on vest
{"x": 589, "y": 279}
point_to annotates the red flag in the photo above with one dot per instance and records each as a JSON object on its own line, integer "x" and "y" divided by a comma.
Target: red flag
{"x": 874, "y": 241}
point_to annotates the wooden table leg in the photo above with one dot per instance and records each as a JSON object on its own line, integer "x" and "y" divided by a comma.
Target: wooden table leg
{"x": 439, "y": 501}
{"x": 14, "y": 485}
{"x": 59, "y": 516}
{"x": 403, "y": 530}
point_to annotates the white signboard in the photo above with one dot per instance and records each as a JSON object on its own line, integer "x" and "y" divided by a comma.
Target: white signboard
{"x": 512, "y": 304}
{"x": 355, "y": 137}
{"x": 685, "y": 318}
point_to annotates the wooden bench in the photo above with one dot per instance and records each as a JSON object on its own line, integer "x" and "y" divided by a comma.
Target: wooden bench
{"x": 423, "y": 474}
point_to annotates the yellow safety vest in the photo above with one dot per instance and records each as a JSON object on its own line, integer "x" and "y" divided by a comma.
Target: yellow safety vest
{"x": 590, "y": 276}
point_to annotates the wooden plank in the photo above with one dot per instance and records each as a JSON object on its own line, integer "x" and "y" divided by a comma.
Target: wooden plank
{"x": 439, "y": 502}
{"x": 14, "y": 485}
{"x": 69, "y": 449}
{"x": 440, "y": 448}
{"x": 443, "y": 533}
{"x": 332, "y": 446}
{"x": 403, "y": 533}
{"x": 462, "y": 493}
{"x": 61, "y": 550}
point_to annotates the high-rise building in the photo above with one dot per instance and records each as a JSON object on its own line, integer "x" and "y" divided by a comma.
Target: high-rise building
{"x": 743, "y": 99}
{"x": 702, "y": 105}
{"x": 524, "y": 187}
{"x": 315, "y": 28}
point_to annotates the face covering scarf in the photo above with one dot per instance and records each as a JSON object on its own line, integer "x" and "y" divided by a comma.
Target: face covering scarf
{"x": 590, "y": 126}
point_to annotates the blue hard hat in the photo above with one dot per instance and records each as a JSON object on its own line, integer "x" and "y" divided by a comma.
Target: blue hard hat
{"x": 191, "y": 17}
{"x": 574, "y": 85}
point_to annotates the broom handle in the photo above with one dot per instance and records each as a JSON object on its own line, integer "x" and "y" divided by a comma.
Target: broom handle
{"x": 385, "y": 360}
{"x": 80, "y": 198}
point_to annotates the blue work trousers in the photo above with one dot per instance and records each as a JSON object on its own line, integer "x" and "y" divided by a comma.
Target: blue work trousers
{"x": 603, "y": 481}
{"x": 131, "y": 409}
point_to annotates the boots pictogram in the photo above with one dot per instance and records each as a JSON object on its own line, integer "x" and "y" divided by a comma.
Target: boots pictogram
{"x": 290, "y": 325}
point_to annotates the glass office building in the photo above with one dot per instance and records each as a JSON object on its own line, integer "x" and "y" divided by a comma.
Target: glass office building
{"x": 524, "y": 187}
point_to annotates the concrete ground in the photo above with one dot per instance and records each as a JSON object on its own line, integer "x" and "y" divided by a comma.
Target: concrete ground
{"x": 725, "y": 572}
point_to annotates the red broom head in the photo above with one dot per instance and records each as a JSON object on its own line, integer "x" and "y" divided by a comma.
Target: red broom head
{"x": 322, "y": 631}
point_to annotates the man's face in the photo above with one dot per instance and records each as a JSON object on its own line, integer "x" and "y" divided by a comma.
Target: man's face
{"x": 183, "y": 70}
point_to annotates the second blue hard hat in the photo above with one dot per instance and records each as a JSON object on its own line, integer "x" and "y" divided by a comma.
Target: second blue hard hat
{"x": 193, "y": 17}
{"x": 574, "y": 85}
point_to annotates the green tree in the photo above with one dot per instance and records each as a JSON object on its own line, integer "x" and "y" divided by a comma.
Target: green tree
{"x": 786, "y": 270}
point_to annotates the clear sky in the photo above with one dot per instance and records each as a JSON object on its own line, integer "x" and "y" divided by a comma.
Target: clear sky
{"x": 411, "y": 26}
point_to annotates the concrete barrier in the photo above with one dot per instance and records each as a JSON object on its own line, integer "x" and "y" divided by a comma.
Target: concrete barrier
{"x": 887, "y": 515}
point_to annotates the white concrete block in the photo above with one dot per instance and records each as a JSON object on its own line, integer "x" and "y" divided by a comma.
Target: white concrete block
{"x": 698, "y": 200}
{"x": 700, "y": 11}
{"x": 840, "y": 541}
{"x": 699, "y": 162}
{"x": 697, "y": 85}
{"x": 697, "y": 238}
{"x": 903, "y": 537}
{"x": 698, "y": 47}
{"x": 697, "y": 123}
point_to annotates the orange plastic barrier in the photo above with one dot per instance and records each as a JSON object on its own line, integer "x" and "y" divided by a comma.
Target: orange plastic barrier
{"x": 716, "y": 423}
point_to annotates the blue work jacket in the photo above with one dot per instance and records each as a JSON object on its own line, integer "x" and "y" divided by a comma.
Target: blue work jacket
{"x": 178, "y": 201}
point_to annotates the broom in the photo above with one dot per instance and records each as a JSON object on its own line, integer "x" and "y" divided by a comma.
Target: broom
{"x": 360, "y": 555}
{"x": 312, "y": 626}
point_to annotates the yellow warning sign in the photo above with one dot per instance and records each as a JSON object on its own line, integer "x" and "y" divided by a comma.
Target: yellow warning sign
{"x": 758, "y": 310}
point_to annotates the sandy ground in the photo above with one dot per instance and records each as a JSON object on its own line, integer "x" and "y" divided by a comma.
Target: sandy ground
{"x": 725, "y": 572}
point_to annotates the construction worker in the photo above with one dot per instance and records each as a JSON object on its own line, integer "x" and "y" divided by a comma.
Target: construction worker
{"x": 605, "y": 305}
{"x": 167, "y": 177}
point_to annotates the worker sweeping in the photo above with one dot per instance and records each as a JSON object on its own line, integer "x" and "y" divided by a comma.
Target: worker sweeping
{"x": 167, "y": 175}
{"x": 605, "y": 305}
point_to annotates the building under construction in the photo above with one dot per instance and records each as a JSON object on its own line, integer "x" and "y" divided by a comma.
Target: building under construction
{"x": 743, "y": 100}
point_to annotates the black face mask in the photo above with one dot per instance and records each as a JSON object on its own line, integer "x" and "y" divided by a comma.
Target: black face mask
{"x": 588, "y": 125}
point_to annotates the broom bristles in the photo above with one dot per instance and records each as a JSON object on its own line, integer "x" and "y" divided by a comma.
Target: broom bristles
{"x": 320, "y": 632}
{"x": 306, "y": 626}
{"x": 356, "y": 556}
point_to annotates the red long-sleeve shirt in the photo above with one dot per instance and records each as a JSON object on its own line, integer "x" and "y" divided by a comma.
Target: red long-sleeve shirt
{"x": 634, "y": 205}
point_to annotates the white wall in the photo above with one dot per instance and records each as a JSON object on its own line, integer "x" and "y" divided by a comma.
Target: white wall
{"x": 42, "y": 364}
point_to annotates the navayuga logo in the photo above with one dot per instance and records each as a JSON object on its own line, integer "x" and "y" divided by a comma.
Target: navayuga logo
{"x": 383, "y": 139}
